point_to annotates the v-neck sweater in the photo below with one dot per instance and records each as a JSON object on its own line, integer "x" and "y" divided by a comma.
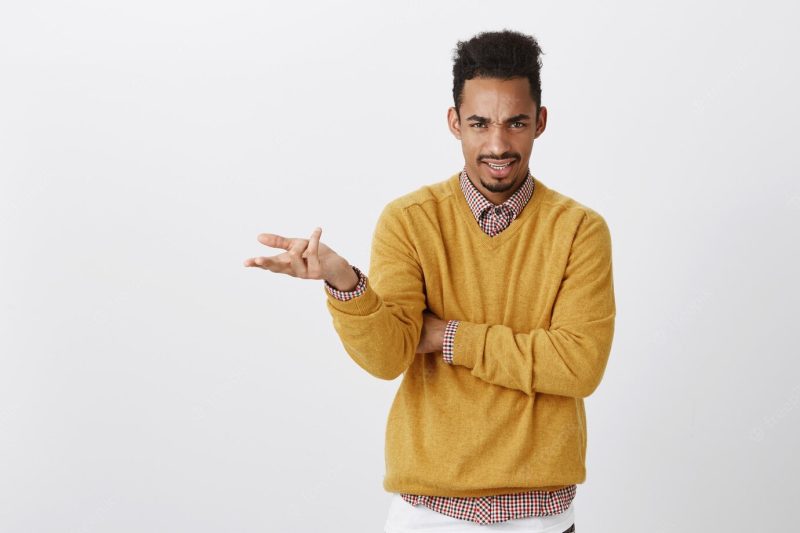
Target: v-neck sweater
{"x": 536, "y": 311}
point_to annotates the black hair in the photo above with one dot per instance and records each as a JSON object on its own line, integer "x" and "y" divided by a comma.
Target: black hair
{"x": 502, "y": 54}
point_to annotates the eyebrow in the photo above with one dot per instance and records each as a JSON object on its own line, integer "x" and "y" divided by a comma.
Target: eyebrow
{"x": 515, "y": 118}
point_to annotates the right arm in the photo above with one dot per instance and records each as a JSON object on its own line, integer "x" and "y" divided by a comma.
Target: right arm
{"x": 379, "y": 320}
{"x": 380, "y": 328}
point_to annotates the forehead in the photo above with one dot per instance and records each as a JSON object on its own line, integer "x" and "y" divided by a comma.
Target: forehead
{"x": 495, "y": 97}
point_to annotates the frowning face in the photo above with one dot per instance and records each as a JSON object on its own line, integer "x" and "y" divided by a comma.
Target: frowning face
{"x": 497, "y": 126}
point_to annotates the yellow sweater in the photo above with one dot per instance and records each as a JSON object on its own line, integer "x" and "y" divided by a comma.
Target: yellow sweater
{"x": 536, "y": 305}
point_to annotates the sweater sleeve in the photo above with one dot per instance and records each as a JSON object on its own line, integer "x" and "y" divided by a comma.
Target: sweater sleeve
{"x": 569, "y": 357}
{"x": 380, "y": 329}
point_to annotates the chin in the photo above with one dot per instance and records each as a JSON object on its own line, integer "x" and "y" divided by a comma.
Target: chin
{"x": 499, "y": 186}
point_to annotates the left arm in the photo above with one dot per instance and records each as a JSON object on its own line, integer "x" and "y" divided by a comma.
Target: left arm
{"x": 569, "y": 357}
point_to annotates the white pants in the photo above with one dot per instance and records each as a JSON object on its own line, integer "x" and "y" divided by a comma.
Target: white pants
{"x": 406, "y": 518}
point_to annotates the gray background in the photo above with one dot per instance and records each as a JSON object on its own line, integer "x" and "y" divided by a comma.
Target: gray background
{"x": 149, "y": 382}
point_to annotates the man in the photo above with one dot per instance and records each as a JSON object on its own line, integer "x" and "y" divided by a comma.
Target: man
{"x": 492, "y": 294}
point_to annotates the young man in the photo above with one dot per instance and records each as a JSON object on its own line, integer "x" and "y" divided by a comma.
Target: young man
{"x": 492, "y": 294}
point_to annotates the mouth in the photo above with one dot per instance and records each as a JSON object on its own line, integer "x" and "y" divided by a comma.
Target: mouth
{"x": 499, "y": 168}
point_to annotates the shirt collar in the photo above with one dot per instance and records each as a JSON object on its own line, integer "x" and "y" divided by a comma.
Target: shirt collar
{"x": 479, "y": 204}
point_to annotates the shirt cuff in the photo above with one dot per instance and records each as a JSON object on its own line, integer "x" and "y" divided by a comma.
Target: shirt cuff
{"x": 449, "y": 341}
{"x": 348, "y": 295}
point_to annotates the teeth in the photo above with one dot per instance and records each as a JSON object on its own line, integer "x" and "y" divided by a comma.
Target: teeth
{"x": 498, "y": 167}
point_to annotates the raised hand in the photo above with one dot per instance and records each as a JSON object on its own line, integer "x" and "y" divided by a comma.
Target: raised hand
{"x": 305, "y": 258}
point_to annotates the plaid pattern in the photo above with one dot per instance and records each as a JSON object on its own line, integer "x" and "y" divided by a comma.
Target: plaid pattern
{"x": 494, "y": 219}
{"x": 347, "y": 295}
{"x": 498, "y": 508}
{"x": 501, "y": 507}
{"x": 449, "y": 339}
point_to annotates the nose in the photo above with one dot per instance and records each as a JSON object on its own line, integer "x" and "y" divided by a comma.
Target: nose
{"x": 498, "y": 140}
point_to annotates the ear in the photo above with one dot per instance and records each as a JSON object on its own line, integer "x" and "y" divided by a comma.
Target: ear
{"x": 541, "y": 123}
{"x": 453, "y": 123}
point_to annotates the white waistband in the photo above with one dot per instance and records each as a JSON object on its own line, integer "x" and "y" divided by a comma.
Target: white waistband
{"x": 406, "y": 518}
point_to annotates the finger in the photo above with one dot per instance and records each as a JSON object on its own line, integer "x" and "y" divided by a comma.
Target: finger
{"x": 273, "y": 264}
{"x": 312, "y": 253}
{"x": 274, "y": 241}
{"x": 295, "y": 252}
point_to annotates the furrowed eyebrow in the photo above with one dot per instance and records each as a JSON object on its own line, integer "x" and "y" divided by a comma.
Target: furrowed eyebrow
{"x": 515, "y": 118}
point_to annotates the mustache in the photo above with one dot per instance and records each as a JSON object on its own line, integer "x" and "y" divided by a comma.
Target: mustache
{"x": 507, "y": 155}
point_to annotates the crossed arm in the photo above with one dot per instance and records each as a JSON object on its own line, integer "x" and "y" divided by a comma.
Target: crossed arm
{"x": 383, "y": 322}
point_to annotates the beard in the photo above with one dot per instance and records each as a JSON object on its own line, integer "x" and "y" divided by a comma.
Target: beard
{"x": 502, "y": 186}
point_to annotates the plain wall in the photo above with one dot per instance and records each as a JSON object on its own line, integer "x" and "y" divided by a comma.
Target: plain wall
{"x": 150, "y": 382}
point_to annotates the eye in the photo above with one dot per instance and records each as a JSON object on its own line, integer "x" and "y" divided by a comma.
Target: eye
{"x": 521, "y": 124}
{"x": 477, "y": 124}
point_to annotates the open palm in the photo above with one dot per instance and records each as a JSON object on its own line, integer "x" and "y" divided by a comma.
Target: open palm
{"x": 303, "y": 258}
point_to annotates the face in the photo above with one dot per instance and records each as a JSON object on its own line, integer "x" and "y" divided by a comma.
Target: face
{"x": 498, "y": 125}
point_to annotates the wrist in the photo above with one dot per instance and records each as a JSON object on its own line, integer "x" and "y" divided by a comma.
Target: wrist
{"x": 345, "y": 279}
{"x": 440, "y": 331}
